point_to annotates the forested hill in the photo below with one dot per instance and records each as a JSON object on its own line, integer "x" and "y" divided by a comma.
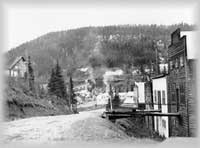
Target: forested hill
{"x": 109, "y": 46}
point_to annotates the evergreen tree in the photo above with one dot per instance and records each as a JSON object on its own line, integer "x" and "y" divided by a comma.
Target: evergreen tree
{"x": 56, "y": 85}
{"x": 30, "y": 75}
{"x": 59, "y": 84}
{"x": 51, "y": 84}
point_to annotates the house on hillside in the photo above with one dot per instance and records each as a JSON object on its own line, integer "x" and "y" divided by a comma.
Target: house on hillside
{"x": 181, "y": 83}
{"x": 160, "y": 102}
{"x": 18, "y": 69}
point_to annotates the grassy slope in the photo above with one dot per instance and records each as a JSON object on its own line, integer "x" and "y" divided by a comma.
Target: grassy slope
{"x": 21, "y": 103}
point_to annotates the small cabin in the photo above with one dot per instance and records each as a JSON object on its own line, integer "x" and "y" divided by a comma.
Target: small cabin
{"x": 18, "y": 68}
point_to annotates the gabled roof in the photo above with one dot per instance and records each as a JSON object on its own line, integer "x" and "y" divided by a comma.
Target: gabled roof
{"x": 16, "y": 61}
{"x": 191, "y": 43}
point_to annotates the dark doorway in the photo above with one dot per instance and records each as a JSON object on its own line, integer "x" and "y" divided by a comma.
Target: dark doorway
{"x": 157, "y": 127}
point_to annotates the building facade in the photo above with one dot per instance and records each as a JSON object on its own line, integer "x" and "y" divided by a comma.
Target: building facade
{"x": 181, "y": 84}
{"x": 160, "y": 102}
{"x": 141, "y": 95}
{"x": 149, "y": 120}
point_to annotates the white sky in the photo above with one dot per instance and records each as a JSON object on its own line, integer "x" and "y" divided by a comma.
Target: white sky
{"x": 27, "y": 23}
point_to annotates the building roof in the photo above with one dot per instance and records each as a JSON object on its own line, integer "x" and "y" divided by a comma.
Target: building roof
{"x": 159, "y": 76}
{"x": 191, "y": 43}
{"x": 16, "y": 61}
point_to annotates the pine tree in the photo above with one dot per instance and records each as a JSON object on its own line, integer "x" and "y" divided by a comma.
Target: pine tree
{"x": 51, "y": 84}
{"x": 60, "y": 88}
{"x": 30, "y": 75}
{"x": 56, "y": 85}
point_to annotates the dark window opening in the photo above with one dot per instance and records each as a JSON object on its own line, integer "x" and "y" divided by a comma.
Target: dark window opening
{"x": 159, "y": 100}
{"x": 173, "y": 97}
{"x": 132, "y": 87}
{"x": 163, "y": 98}
{"x": 182, "y": 93}
{"x": 177, "y": 97}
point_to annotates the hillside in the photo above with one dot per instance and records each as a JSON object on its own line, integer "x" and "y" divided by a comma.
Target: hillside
{"x": 22, "y": 103}
{"x": 93, "y": 47}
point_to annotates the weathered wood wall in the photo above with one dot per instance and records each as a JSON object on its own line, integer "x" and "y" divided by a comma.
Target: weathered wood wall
{"x": 181, "y": 89}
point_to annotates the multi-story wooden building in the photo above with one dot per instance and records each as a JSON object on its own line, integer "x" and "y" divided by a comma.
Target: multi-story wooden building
{"x": 160, "y": 102}
{"x": 181, "y": 83}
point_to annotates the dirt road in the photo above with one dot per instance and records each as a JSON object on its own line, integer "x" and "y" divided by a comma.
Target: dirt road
{"x": 85, "y": 126}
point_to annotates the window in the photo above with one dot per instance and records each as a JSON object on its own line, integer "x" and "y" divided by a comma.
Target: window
{"x": 182, "y": 98}
{"x": 159, "y": 100}
{"x": 163, "y": 98}
{"x": 171, "y": 65}
{"x": 182, "y": 93}
{"x": 176, "y": 63}
{"x": 181, "y": 61}
{"x": 155, "y": 99}
{"x": 174, "y": 87}
{"x": 164, "y": 123}
{"x": 173, "y": 97}
{"x": 132, "y": 87}
{"x": 174, "y": 122}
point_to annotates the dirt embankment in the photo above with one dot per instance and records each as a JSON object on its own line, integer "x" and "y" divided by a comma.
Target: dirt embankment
{"x": 135, "y": 127}
{"x": 20, "y": 103}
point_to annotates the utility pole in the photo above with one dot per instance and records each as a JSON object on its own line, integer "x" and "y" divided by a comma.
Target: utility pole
{"x": 111, "y": 97}
{"x": 157, "y": 62}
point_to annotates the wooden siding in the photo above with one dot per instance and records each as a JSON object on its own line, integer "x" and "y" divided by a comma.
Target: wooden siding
{"x": 20, "y": 68}
{"x": 178, "y": 48}
{"x": 191, "y": 96}
{"x": 181, "y": 90}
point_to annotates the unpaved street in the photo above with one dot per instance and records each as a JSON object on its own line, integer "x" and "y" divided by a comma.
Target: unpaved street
{"x": 85, "y": 126}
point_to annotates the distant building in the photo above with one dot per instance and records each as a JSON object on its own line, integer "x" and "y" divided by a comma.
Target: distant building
{"x": 181, "y": 83}
{"x": 80, "y": 87}
{"x": 160, "y": 44}
{"x": 18, "y": 68}
{"x": 102, "y": 99}
{"x": 163, "y": 68}
{"x": 141, "y": 94}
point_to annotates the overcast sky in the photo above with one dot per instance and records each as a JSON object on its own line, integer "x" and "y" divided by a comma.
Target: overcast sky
{"x": 26, "y": 23}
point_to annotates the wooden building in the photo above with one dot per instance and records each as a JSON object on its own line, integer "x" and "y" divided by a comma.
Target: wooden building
{"x": 149, "y": 104}
{"x": 160, "y": 102}
{"x": 141, "y": 95}
{"x": 18, "y": 68}
{"x": 181, "y": 83}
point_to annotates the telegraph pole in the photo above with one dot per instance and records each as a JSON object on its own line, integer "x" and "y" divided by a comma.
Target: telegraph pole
{"x": 111, "y": 97}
